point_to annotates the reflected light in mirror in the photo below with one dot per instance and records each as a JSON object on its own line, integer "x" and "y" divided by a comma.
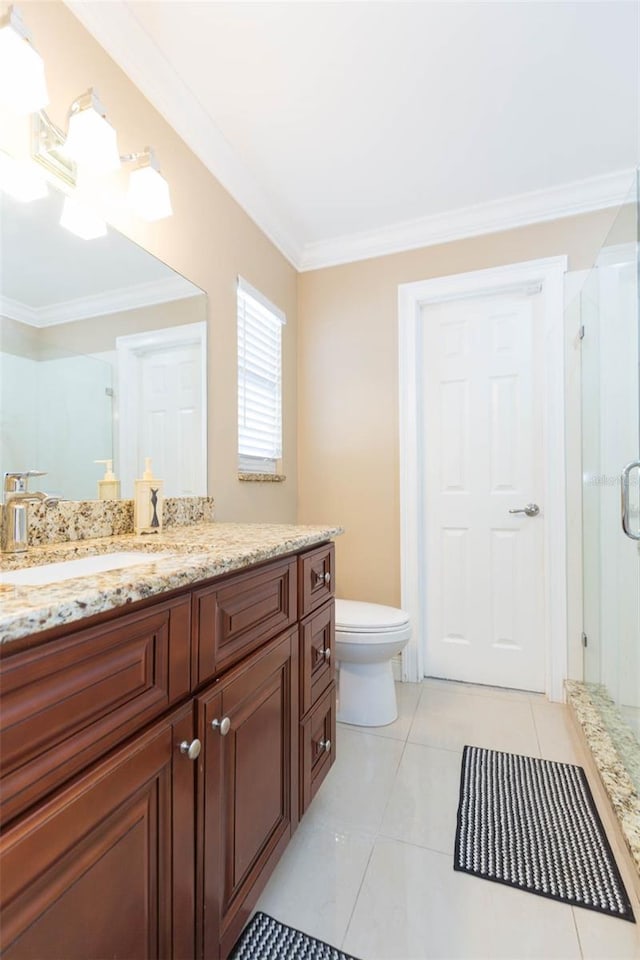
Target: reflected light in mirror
{"x": 81, "y": 220}
{"x": 22, "y": 181}
{"x": 22, "y": 83}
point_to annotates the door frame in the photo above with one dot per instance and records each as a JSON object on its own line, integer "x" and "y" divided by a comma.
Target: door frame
{"x": 548, "y": 275}
{"x": 128, "y": 350}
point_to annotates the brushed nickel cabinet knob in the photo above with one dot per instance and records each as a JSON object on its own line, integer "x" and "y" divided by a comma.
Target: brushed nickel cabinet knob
{"x": 223, "y": 726}
{"x": 191, "y": 750}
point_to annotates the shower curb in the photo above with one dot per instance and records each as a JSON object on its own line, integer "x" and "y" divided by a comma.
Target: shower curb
{"x": 617, "y": 784}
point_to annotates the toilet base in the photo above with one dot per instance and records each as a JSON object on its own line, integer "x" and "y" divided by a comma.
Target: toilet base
{"x": 366, "y": 694}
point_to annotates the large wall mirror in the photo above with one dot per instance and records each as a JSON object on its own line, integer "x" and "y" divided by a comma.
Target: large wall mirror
{"x": 102, "y": 357}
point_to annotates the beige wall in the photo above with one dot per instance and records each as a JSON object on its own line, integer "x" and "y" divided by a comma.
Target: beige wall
{"x": 348, "y": 388}
{"x": 209, "y": 239}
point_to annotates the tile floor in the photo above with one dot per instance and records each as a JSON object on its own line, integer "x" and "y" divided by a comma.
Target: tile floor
{"x": 370, "y": 868}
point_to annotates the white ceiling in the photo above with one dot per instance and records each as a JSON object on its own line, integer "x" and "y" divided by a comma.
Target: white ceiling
{"x": 345, "y": 127}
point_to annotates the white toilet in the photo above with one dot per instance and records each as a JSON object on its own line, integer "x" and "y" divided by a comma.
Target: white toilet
{"x": 368, "y": 635}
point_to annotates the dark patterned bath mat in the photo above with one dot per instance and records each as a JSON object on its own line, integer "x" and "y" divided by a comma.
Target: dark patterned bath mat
{"x": 532, "y": 824}
{"x": 268, "y": 939}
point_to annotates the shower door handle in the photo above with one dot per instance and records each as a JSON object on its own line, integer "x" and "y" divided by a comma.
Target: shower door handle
{"x": 624, "y": 489}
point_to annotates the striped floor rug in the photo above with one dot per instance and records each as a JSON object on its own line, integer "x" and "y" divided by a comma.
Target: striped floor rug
{"x": 532, "y": 824}
{"x": 267, "y": 939}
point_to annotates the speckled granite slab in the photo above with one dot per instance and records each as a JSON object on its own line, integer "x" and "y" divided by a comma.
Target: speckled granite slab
{"x": 597, "y": 715}
{"x": 198, "y": 552}
{"x": 87, "y": 519}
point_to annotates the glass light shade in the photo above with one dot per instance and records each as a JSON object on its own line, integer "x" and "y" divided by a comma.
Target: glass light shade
{"x": 21, "y": 180}
{"x": 149, "y": 194}
{"x": 81, "y": 220}
{"x": 22, "y": 84}
{"x": 91, "y": 142}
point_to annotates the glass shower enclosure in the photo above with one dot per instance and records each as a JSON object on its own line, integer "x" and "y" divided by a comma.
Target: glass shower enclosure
{"x": 610, "y": 314}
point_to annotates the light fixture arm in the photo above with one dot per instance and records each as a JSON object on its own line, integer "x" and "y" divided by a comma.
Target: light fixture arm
{"x": 144, "y": 158}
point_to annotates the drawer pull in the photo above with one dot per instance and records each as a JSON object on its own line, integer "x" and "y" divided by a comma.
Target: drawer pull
{"x": 223, "y": 726}
{"x": 191, "y": 750}
{"x": 322, "y": 578}
{"x": 325, "y": 745}
{"x": 327, "y": 654}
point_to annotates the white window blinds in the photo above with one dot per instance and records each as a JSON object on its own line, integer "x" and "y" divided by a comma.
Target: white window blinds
{"x": 259, "y": 381}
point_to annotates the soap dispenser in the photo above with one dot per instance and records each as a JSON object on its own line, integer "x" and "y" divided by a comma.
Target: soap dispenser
{"x": 147, "y": 504}
{"x": 108, "y": 487}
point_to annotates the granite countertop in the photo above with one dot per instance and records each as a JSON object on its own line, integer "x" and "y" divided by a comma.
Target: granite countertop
{"x": 198, "y": 552}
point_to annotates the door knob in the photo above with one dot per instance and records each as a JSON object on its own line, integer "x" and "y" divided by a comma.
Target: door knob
{"x": 223, "y": 726}
{"x": 531, "y": 510}
{"x": 191, "y": 750}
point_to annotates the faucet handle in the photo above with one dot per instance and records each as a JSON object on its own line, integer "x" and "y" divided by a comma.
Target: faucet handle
{"x": 17, "y": 482}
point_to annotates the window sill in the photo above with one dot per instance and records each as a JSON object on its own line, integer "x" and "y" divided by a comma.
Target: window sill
{"x": 262, "y": 477}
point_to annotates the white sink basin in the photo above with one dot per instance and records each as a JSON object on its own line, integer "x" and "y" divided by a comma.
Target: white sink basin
{"x": 82, "y": 567}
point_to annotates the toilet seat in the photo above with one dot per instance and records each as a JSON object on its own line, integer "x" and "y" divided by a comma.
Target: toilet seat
{"x": 354, "y": 617}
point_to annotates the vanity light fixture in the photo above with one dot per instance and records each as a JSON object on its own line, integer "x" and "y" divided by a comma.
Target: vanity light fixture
{"x": 91, "y": 141}
{"x": 89, "y": 147}
{"x": 79, "y": 218}
{"x": 22, "y": 84}
{"x": 148, "y": 192}
{"x": 21, "y": 180}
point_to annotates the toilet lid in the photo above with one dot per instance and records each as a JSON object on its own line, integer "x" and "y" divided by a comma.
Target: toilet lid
{"x": 358, "y": 616}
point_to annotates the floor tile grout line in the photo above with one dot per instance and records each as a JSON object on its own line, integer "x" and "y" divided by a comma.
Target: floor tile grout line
{"x": 357, "y": 896}
{"x": 577, "y": 929}
{"x": 535, "y": 730}
{"x": 393, "y": 782}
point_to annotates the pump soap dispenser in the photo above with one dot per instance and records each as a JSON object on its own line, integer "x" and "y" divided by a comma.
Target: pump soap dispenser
{"x": 147, "y": 504}
{"x": 108, "y": 487}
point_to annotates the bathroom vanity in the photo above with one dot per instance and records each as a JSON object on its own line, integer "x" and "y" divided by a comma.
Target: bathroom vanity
{"x": 157, "y": 755}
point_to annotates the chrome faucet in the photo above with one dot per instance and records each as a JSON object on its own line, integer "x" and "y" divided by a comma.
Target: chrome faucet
{"x": 17, "y": 497}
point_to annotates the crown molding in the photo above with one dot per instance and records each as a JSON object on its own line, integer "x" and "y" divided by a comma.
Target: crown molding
{"x": 100, "y": 304}
{"x": 16, "y": 310}
{"x": 581, "y": 196}
{"x": 118, "y": 31}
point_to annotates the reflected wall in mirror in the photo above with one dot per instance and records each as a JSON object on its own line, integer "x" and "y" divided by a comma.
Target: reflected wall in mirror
{"x": 102, "y": 356}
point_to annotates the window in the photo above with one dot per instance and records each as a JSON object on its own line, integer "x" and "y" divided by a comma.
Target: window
{"x": 259, "y": 382}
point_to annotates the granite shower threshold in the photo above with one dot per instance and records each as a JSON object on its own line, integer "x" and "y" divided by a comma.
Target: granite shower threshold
{"x": 591, "y": 705}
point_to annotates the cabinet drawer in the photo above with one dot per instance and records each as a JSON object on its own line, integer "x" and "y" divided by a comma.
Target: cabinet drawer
{"x": 316, "y": 578}
{"x": 235, "y": 618}
{"x": 317, "y": 655}
{"x": 67, "y": 702}
{"x": 317, "y": 746}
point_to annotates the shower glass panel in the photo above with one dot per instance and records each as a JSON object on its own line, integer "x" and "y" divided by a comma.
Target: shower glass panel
{"x": 610, "y": 313}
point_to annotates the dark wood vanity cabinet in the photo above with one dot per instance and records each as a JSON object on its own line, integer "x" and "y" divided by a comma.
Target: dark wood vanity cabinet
{"x": 105, "y": 868}
{"x": 120, "y": 839}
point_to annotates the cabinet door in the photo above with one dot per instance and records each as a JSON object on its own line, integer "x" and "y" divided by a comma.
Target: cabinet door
{"x": 105, "y": 868}
{"x": 248, "y": 794}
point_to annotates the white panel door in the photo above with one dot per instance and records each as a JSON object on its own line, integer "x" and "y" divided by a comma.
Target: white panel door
{"x": 483, "y": 443}
{"x": 170, "y": 417}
